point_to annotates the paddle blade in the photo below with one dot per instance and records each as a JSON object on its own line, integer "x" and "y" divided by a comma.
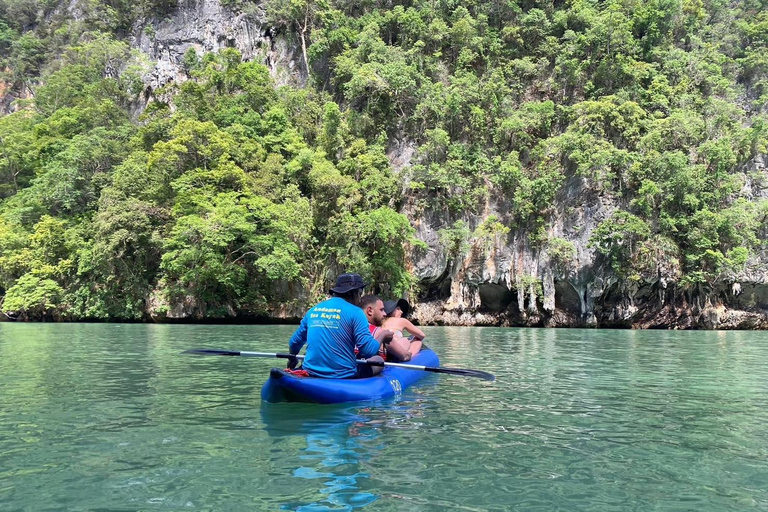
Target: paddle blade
{"x": 211, "y": 352}
{"x": 465, "y": 373}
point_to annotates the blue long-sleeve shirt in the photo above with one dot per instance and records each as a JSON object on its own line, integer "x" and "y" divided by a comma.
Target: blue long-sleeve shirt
{"x": 331, "y": 330}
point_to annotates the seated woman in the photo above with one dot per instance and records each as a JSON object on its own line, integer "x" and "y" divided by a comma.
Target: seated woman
{"x": 396, "y": 312}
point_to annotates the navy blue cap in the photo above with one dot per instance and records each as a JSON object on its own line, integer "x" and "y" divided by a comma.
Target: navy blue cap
{"x": 347, "y": 282}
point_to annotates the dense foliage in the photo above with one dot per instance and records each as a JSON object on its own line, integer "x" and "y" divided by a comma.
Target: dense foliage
{"x": 229, "y": 200}
{"x": 236, "y": 193}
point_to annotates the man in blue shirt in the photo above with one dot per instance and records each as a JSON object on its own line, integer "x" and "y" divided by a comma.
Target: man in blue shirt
{"x": 332, "y": 329}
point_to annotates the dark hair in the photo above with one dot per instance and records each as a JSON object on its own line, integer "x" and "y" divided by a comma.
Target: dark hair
{"x": 348, "y": 296}
{"x": 368, "y": 300}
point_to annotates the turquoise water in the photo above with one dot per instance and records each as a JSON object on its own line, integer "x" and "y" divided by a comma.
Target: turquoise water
{"x": 110, "y": 417}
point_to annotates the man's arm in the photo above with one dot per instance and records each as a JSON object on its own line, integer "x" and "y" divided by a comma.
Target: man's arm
{"x": 400, "y": 348}
{"x": 382, "y": 335}
{"x": 298, "y": 340}
{"x": 299, "y": 337}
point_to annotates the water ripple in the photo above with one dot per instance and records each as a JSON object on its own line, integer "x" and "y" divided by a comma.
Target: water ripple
{"x": 111, "y": 417}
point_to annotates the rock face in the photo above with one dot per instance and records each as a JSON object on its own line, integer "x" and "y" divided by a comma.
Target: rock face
{"x": 496, "y": 286}
{"x": 512, "y": 282}
{"x": 8, "y": 97}
{"x": 505, "y": 282}
{"x": 208, "y": 26}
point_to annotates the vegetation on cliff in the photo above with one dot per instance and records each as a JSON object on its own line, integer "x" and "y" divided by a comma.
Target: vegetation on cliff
{"x": 232, "y": 193}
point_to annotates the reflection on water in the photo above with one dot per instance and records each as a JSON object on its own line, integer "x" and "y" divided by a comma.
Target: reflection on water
{"x": 112, "y": 417}
{"x": 335, "y": 442}
{"x": 340, "y": 440}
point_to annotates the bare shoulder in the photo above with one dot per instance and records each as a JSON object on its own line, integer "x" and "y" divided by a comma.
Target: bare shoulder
{"x": 395, "y": 324}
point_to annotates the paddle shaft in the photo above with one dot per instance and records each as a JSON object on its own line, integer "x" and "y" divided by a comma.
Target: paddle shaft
{"x": 244, "y": 353}
{"x": 434, "y": 369}
{"x": 464, "y": 372}
{"x": 397, "y": 365}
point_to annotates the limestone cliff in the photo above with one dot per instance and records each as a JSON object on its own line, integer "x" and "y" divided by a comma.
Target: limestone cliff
{"x": 493, "y": 286}
{"x": 508, "y": 281}
{"x": 208, "y": 26}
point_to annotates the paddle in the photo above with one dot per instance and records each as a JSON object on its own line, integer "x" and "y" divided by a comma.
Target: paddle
{"x": 434, "y": 369}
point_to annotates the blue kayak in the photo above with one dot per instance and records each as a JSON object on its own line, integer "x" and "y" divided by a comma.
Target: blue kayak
{"x": 281, "y": 386}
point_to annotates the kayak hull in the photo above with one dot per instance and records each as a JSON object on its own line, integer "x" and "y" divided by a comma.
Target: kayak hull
{"x": 284, "y": 387}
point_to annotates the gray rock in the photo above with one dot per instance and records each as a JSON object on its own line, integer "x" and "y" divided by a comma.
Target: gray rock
{"x": 207, "y": 26}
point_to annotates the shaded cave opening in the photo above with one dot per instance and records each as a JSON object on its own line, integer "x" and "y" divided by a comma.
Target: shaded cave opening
{"x": 567, "y": 299}
{"x": 495, "y": 298}
{"x": 439, "y": 290}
